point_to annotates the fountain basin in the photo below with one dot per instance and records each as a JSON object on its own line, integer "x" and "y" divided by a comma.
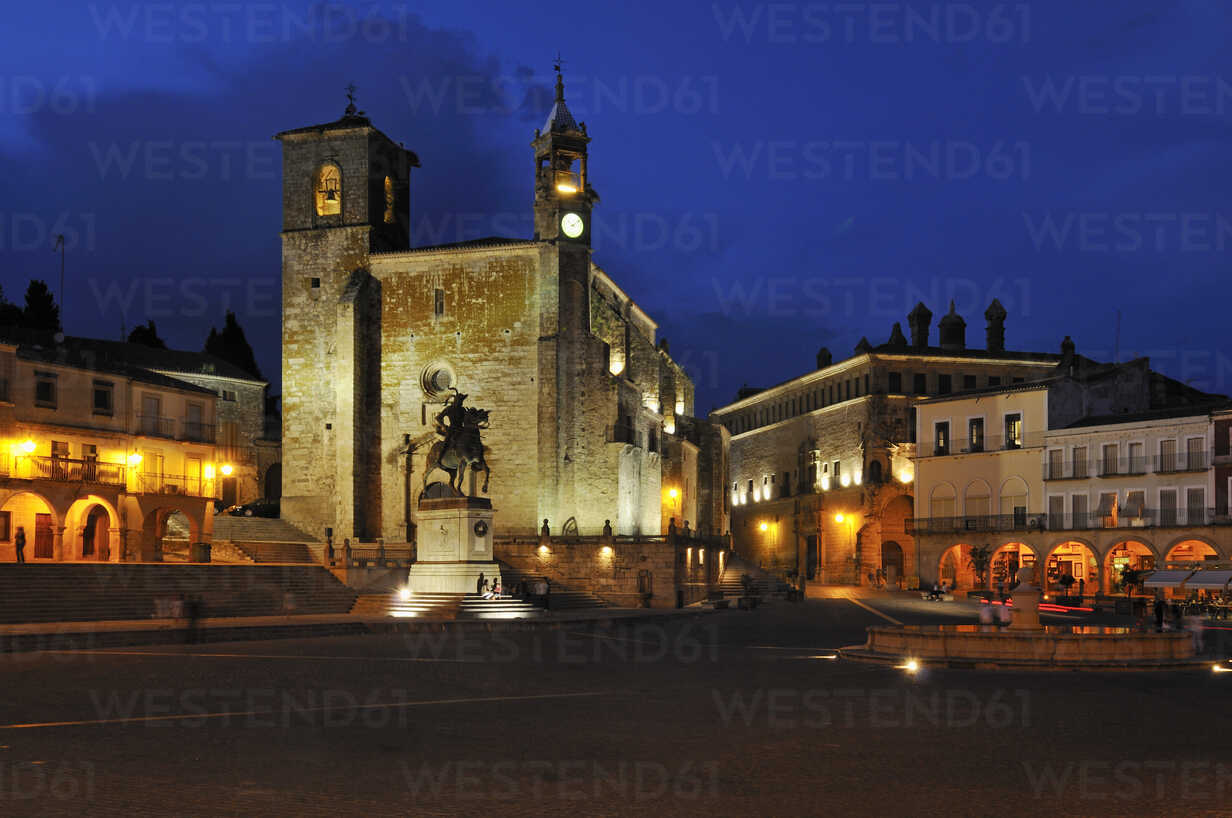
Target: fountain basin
{"x": 1052, "y": 647}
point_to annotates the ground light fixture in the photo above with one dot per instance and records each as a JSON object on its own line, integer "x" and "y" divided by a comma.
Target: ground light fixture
{"x": 763, "y": 527}
{"x": 226, "y": 469}
{"x": 404, "y": 594}
{"x": 911, "y": 666}
{"x": 27, "y": 446}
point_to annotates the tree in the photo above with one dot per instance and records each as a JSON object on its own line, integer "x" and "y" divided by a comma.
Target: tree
{"x": 10, "y": 313}
{"x": 41, "y": 312}
{"x": 979, "y": 559}
{"x": 147, "y": 335}
{"x": 232, "y": 346}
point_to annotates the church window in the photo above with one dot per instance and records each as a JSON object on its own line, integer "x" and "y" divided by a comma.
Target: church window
{"x": 389, "y": 200}
{"x": 438, "y": 298}
{"x": 328, "y": 190}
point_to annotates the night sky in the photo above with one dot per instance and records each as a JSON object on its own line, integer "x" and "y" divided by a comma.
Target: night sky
{"x": 774, "y": 176}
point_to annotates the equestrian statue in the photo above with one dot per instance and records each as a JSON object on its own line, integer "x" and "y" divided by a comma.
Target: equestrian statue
{"x": 460, "y": 427}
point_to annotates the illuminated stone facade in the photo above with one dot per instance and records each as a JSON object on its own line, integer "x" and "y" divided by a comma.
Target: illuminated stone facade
{"x": 839, "y": 442}
{"x": 589, "y": 413}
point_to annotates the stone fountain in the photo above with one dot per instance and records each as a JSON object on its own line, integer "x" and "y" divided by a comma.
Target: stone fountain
{"x": 1026, "y": 643}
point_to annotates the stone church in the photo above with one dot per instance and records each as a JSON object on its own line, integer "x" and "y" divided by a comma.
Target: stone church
{"x": 591, "y": 419}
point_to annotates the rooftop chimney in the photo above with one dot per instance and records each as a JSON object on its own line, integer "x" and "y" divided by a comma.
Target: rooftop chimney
{"x": 952, "y": 330}
{"x": 919, "y": 319}
{"x": 824, "y": 358}
{"x": 897, "y": 339}
{"x": 994, "y": 334}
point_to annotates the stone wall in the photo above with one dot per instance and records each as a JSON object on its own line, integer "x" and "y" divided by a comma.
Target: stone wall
{"x": 620, "y": 572}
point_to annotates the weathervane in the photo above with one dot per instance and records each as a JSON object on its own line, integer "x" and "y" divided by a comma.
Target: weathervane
{"x": 351, "y": 110}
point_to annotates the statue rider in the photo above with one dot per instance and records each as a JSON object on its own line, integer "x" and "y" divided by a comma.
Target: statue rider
{"x": 455, "y": 413}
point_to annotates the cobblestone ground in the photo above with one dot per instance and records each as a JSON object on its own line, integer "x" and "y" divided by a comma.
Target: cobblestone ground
{"x": 736, "y": 713}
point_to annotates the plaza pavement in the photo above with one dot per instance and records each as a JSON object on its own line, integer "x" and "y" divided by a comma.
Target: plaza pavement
{"x": 729, "y": 713}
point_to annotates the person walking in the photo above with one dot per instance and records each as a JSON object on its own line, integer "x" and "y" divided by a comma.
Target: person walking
{"x": 480, "y": 583}
{"x": 19, "y": 541}
{"x": 1159, "y": 614}
{"x": 1082, "y": 587}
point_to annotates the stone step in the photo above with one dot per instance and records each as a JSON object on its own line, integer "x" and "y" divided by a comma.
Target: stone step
{"x": 109, "y": 591}
{"x": 443, "y": 606}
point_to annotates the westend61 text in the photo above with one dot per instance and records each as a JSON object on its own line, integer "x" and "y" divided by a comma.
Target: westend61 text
{"x": 563, "y": 780}
{"x": 58, "y": 780}
{"x": 786, "y": 709}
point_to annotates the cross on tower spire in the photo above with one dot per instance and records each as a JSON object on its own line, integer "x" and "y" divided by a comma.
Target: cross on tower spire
{"x": 351, "y": 110}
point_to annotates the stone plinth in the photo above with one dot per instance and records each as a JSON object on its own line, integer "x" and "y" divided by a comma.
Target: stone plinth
{"x": 1048, "y": 647}
{"x": 455, "y": 545}
{"x": 1026, "y": 608}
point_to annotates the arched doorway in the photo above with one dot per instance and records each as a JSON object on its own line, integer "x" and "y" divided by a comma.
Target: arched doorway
{"x": 31, "y": 515}
{"x": 955, "y": 567}
{"x": 1128, "y": 555}
{"x": 273, "y": 482}
{"x": 1007, "y": 560}
{"x": 95, "y": 535}
{"x": 1073, "y": 559}
{"x": 169, "y": 531}
{"x": 892, "y": 563}
{"x": 1191, "y": 551}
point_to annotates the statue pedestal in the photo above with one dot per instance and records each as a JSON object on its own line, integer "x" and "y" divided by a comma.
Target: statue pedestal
{"x": 1026, "y": 608}
{"x": 454, "y": 547}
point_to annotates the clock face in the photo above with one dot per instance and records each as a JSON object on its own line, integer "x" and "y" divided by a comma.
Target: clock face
{"x": 571, "y": 225}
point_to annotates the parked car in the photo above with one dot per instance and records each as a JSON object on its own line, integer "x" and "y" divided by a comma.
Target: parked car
{"x": 257, "y": 508}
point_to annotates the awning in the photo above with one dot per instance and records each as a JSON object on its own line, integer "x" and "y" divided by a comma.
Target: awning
{"x": 1166, "y": 579}
{"x": 1209, "y": 579}
{"x": 1107, "y": 503}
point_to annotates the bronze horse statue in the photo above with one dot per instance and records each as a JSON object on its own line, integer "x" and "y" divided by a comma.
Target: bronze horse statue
{"x": 462, "y": 446}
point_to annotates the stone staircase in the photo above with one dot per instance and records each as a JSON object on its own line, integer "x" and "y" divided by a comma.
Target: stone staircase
{"x": 77, "y": 592}
{"x": 264, "y": 539}
{"x": 562, "y": 598}
{"x": 764, "y": 584}
{"x": 442, "y": 606}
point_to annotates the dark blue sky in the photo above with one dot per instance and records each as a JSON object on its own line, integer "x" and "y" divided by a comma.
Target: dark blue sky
{"x": 774, "y": 176}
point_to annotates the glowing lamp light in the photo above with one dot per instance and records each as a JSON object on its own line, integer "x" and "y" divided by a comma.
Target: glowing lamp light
{"x": 616, "y": 366}
{"x": 134, "y": 459}
{"x": 669, "y": 426}
{"x": 845, "y": 480}
{"x": 672, "y": 493}
{"x": 825, "y": 483}
{"x": 27, "y": 446}
{"x": 838, "y": 518}
{"x": 605, "y": 551}
{"x": 680, "y": 407}
{"x": 911, "y": 666}
{"x": 544, "y": 550}
{"x": 701, "y": 557}
{"x": 226, "y": 469}
{"x": 904, "y": 476}
{"x": 404, "y": 594}
{"x": 764, "y": 527}
{"x": 858, "y": 477}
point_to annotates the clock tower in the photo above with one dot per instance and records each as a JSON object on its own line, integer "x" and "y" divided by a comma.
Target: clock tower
{"x": 563, "y": 195}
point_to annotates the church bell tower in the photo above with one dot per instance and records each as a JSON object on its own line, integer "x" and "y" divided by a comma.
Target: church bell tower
{"x": 563, "y": 195}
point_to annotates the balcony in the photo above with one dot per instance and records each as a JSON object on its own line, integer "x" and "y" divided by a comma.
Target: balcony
{"x": 198, "y": 432}
{"x": 988, "y": 443}
{"x": 186, "y": 485}
{"x": 1182, "y": 462}
{"x": 1067, "y": 470}
{"x": 1118, "y": 467}
{"x": 63, "y": 470}
{"x": 1081, "y": 521}
{"x": 155, "y": 426}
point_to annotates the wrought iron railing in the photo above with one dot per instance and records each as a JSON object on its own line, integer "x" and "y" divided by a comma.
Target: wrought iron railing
{"x": 155, "y": 426}
{"x": 1135, "y": 518}
{"x": 977, "y": 445}
{"x": 63, "y": 469}
{"x": 199, "y": 432}
{"x": 188, "y": 485}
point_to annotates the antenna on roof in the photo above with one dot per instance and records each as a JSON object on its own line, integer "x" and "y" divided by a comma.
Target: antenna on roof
{"x": 1116, "y": 340}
